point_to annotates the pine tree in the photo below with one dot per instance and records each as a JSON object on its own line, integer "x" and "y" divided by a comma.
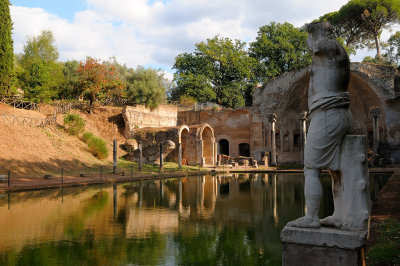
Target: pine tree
{"x": 6, "y": 50}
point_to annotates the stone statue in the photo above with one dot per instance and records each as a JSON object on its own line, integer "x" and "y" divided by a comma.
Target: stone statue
{"x": 331, "y": 120}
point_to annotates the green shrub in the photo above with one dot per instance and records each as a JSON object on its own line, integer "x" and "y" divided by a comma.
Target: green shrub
{"x": 87, "y": 137}
{"x": 187, "y": 100}
{"x": 98, "y": 147}
{"x": 74, "y": 124}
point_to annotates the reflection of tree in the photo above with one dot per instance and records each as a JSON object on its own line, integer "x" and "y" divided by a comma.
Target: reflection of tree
{"x": 117, "y": 251}
{"x": 76, "y": 224}
{"x": 228, "y": 246}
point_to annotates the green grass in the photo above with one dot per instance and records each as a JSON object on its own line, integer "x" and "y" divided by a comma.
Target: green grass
{"x": 387, "y": 250}
{"x": 74, "y": 124}
{"x": 98, "y": 147}
{"x": 87, "y": 136}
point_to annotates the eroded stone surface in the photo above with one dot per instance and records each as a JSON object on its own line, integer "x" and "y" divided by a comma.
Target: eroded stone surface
{"x": 324, "y": 237}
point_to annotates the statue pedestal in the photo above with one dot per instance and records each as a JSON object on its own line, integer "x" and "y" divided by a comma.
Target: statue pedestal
{"x": 322, "y": 246}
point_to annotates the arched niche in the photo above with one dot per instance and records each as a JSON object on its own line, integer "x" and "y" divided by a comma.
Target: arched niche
{"x": 207, "y": 137}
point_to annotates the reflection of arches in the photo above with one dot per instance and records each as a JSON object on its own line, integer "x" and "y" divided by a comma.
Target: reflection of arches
{"x": 223, "y": 147}
{"x": 244, "y": 149}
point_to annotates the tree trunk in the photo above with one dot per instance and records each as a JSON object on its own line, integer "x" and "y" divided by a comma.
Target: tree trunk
{"x": 378, "y": 46}
{"x": 91, "y": 100}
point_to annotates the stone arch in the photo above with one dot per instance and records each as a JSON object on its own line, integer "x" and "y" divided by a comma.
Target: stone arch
{"x": 207, "y": 140}
{"x": 201, "y": 130}
{"x": 181, "y": 129}
{"x": 184, "y": 141}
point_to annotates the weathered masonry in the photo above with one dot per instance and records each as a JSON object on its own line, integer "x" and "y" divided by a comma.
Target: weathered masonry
{"x": 194, "y": 144}
{"x": 203, "y": 134}
{"x": 375, "y": 96}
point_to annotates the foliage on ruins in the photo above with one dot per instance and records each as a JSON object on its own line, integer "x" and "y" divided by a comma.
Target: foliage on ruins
{"x": 98, "y": 80}
{"x": 360, "y": 22}
{"x": 279, "y": 48}
{"x": 38, "y": 71}
{"x": 219, "y": 70}
{"x": 146, "y": 86}
{"x": 6, "y": 50}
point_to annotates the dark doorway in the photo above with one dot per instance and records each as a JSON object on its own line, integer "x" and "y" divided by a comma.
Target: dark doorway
{"x": 223, "y": 146}
{"x": 244, "y": 149}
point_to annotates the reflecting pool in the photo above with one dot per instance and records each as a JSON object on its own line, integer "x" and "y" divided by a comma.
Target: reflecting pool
{"x": 231, "y": 219}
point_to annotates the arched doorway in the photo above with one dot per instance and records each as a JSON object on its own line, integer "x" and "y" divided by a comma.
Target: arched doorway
{"x": 208, "y": 142}
{"x": 184, "y": 145}
{"x": 223, "y": 147}
{"x": 244, "y": 149}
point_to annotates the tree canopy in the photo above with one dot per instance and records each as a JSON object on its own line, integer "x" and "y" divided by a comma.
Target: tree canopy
{"x": 219, "y": 70}
{"x": 146, "y": 86}
{"x": 97, "y": 80}
{"x": 360, "y": 22}
{"x": 279, "y": 48}
{"x": 39, "y": 72}
{"x": 6, "y": 50}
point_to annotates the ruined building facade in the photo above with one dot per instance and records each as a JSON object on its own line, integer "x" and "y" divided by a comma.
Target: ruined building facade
{"x": 375, "y": 105}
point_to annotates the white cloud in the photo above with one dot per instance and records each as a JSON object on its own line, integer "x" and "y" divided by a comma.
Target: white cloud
{"x": 153, "y": 35}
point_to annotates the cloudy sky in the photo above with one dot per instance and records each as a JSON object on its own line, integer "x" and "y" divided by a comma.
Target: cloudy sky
{"x": 153, "y": 32}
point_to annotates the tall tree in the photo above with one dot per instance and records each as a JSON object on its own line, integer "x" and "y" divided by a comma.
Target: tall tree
{"x": 6, "y": 50}
{"x": 70, "y": 88}
{"x": 279, "y": 48}
{"x": 40, "y": 75}
{"x": 347, "y": 29}
{"x": 219, "y": 70}
{"x": 146, "y": 86}
{"x": 365, "y": 20}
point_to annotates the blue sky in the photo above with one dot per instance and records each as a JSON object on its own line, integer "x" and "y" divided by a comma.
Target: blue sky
{"x": 153, "y": 32}
{"x": 63, "y": 8}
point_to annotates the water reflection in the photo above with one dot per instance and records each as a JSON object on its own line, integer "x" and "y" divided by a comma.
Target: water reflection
{"x": 226, "y": 219}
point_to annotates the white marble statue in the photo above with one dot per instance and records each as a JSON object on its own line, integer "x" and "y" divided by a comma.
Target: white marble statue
{"x": 331, "y": 120}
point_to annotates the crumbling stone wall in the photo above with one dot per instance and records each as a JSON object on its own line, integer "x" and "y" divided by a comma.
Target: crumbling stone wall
{"x": 140, "y": 117}
{"x": 237, "y": 126}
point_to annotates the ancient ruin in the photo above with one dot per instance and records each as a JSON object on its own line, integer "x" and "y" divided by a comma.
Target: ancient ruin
{"x": 247, "y": 131}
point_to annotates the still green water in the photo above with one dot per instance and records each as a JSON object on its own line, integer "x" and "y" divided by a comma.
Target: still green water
{"x": 207, "y": 220}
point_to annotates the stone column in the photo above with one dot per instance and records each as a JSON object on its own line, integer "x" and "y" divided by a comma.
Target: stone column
{"x": 215, "y": 153}
{"x": 140, "y": 157}
{"x": 180, "y": 156}
{"x": 272, "y": 121}
{"x": 161, "y": 157}
{"x": 376, "y": 113}
{"x": 114, "y": 156}
{"x": 303, "y": 132}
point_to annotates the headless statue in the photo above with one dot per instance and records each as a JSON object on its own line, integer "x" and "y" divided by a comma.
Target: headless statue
{"x": 328, "y": 102}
